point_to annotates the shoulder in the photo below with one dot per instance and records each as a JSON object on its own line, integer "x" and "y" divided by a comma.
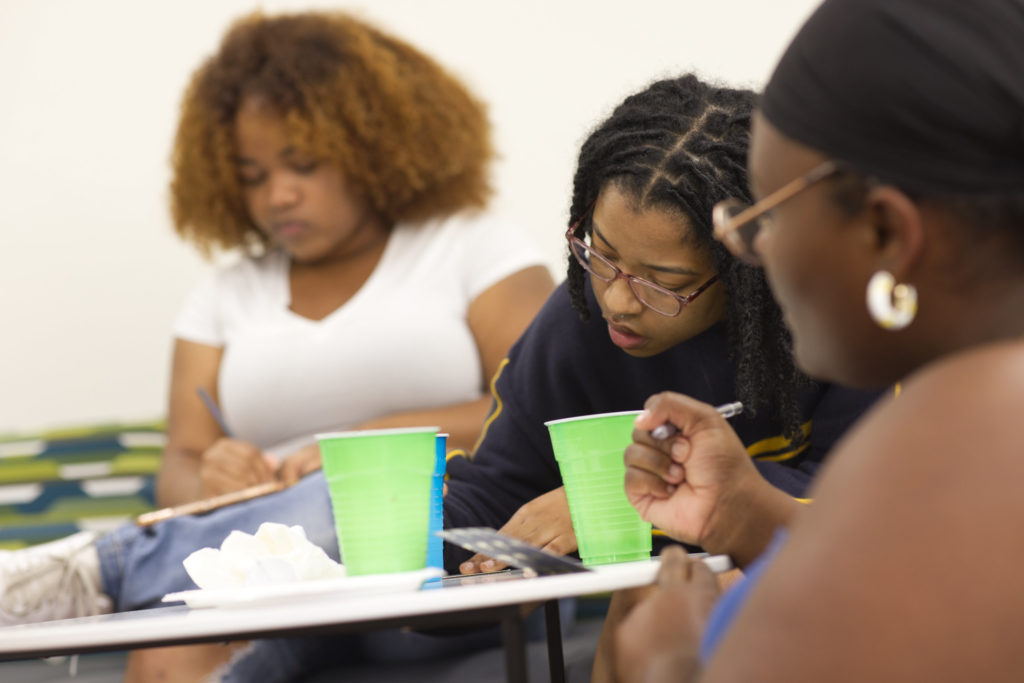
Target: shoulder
{"x": 970, "y": 396}
{"x": 989, "y": 371}
{"x": 921, "y": 499}
{"x": 949, "y": 442}
{"x": 480, "y": 223}
{"x": 474, "y": 231}
{"x": 472, "y": 251}
{"x": 240, "y": 284}
{"x": 243, "y": 271}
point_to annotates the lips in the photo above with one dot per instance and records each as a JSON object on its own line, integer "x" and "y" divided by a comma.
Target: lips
{"x": 624, "y": 337}
{"x": 290, "y": 229}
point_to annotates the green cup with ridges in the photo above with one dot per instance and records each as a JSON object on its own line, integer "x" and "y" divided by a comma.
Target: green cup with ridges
{"x": 589, "y": 451}
{"x": 379, "y": 482}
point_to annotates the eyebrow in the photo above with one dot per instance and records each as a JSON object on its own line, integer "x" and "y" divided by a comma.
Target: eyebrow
{"x": 288, "y": 151}
{"x": 649, "y": 266}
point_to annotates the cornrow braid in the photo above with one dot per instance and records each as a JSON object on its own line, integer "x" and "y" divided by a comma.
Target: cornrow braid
{"x": 681, "y": 146}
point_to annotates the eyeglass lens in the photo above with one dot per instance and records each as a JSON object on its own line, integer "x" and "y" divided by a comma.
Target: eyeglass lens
{"x": 604, "y": 270}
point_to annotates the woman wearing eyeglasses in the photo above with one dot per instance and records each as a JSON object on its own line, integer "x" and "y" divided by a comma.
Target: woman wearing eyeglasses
{"x": 888, "y": 160}
{"x": 651, "y": 303}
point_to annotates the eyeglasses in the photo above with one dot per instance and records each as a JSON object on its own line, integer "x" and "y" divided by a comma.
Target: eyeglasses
{"x": 655, "y": 297}
{"x": 737, "y": 223}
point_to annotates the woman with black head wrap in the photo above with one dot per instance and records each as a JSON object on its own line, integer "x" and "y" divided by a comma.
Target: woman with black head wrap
{"x": 888, "y": 164}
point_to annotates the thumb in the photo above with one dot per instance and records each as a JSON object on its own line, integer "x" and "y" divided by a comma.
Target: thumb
{"x": 674, "y": 566}
{"x": 272, "y": 462}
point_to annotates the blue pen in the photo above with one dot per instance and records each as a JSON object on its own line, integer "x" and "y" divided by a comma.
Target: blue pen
{"x": 726, "y": 410}
{"x": 215, "y": 412}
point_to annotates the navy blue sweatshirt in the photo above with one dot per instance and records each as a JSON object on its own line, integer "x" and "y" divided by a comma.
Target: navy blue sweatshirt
{"x": 563, "y": 367}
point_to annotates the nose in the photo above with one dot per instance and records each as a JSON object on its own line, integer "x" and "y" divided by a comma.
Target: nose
{"x": 283, "y": 191}
{"x": 619, "y": 299}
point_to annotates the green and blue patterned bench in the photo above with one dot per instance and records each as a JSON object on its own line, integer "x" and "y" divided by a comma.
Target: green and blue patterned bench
{"x": 62, "y": 481}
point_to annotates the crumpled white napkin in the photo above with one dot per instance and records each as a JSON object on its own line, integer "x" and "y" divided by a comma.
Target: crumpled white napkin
{"x": 275, "y": 554}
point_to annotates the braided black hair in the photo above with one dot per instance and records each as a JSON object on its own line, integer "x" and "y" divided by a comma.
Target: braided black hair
{"x": 681, "y": 146}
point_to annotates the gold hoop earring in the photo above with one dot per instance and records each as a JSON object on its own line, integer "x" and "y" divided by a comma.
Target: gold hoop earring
{"x": 892, "y": 306}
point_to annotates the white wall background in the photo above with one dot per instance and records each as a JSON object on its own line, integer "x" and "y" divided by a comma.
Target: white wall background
{"x": 91, "y": 274}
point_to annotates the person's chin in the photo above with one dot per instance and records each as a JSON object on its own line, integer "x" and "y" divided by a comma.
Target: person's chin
{"x": 645, "y": 351}
{"x": 306, "y": 254}
{"x": 642, "y": 352}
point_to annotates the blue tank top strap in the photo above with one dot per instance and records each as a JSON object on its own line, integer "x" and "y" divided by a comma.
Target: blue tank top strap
{"x": 735, "y": 597}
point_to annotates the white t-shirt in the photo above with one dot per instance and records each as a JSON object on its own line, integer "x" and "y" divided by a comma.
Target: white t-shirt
{"x": 400, "y": 343}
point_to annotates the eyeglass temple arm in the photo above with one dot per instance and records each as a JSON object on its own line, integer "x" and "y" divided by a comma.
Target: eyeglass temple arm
{"x": 785, "y": 192}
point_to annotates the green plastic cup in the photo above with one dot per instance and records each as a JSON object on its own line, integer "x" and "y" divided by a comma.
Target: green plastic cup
{"x": 379, "y": 482}
{"x": 589, "y": 452}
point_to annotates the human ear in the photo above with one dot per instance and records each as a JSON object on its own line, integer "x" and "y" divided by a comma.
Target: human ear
{"x": 895, "y": 230}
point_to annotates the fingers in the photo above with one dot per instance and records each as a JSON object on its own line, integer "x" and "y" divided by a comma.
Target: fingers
{"x": 650, "y": 473}
{"x": 290, "y": 472}
{"x": 299, "y": 464}
{"x": 562, "y": 544}
{"x": 543, "y": 522}
{"x": 481, "y": 564}
{"x": 656, "y": 461}
{"x": 679, "y": 569}
{"x": 675, "y": 566}
{"x": 231, "y": 465}
{"x": 681, "y": 411}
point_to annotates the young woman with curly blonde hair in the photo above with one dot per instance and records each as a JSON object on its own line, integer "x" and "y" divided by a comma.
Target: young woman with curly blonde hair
{"x": 350, "y": 169}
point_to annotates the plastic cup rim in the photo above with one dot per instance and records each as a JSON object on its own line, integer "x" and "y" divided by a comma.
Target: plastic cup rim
{"x": 580, "y": 418}
{"x": 376, "y": 432}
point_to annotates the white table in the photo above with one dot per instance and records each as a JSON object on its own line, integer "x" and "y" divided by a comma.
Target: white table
{"x": 451, "y": 605}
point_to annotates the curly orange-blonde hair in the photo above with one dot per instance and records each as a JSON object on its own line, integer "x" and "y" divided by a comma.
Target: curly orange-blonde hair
{"x": 408, "y": 136}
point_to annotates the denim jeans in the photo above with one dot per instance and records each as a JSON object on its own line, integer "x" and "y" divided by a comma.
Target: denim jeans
{"x": 139, "y": 565}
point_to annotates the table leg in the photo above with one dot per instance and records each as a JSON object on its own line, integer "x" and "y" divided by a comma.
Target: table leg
{"x": 513, "y": 635}
{"x": 553, "y": 626}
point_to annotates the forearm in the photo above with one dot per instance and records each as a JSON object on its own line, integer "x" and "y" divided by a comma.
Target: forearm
{"x": 178, "y": 480}
{"x": 462, "y": 421}
{"x": 744, "y": 523}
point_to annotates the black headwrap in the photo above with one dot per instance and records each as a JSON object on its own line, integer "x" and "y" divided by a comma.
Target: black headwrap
{"x": 925, "y": 94}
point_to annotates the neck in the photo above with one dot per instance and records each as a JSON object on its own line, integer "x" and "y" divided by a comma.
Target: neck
{"x": 982, "y": 315}
{"x": 367, "y": 241}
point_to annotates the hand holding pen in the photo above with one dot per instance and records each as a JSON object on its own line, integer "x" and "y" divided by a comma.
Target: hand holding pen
{"x": 231, "y": 459}
{"x": 231, "y": 469}
{"x": 676, "y": 483}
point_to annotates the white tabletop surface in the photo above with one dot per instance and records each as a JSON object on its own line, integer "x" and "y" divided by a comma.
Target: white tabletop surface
{"x": 167, "y": 625}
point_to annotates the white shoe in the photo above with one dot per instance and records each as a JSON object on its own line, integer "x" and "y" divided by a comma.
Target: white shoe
{"x": 55, "y": 580}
